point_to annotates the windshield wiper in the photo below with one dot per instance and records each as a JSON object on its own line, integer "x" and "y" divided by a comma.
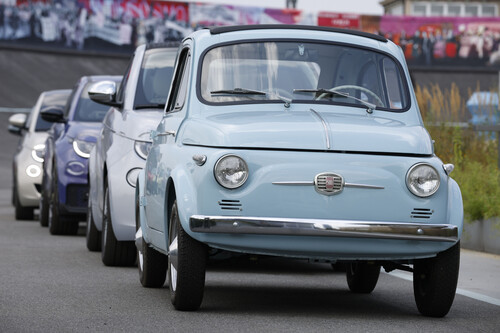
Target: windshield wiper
{"x": 321, "y": 91}
{"x": 238, "y": 91}
{"x": 150, "y": 106}
{"x": 243, "y": 91}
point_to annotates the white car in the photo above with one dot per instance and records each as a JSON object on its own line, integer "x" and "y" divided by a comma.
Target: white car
{"x": 28, "y": 159}
{"x": 121, "y": 150}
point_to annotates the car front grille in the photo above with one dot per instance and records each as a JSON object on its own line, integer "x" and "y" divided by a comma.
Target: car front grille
{"x": 77, "y": 195}
{"x": 421, "y": 213}
{"x": 230, "y": 205}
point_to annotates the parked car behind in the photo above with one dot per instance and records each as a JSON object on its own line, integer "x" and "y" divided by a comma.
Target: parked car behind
{"x": 296, "y": 141}
{"x": 28, "y": 158}
{"x": 64, "y": 184}
{"x": 121, "y": 150}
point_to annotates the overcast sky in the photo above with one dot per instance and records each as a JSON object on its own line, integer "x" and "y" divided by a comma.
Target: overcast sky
{"x": 370, "y": 7}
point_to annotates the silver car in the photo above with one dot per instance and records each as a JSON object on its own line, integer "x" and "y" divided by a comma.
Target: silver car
{"x": 121, "y": 150}
{"x": 28, "y": 159}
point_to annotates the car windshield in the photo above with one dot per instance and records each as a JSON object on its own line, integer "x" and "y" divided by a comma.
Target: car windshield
{"x": 303, "y": 73}
{"x": 87, "y": 109}
{"x": 154, "y": 79}
{"x": 52, "y": 99}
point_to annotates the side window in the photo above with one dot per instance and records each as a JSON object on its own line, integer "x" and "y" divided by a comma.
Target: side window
{"x": 178, "y": 94}
{"x": 181, "y": 95}
{"x": 121, "y": 90}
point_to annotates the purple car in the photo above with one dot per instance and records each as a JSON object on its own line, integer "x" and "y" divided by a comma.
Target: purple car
{"x": 64, "y": 196}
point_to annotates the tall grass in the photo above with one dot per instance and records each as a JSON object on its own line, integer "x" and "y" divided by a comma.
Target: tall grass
{"x": 475, "y": 155}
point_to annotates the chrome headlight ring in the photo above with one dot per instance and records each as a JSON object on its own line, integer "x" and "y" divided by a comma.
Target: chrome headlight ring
{"x": 82, "y": 148}
{"x": 422, "y": 180}
{"x": 231, "y": 171}
{"x": 142, "y": 148}
{"x": 38, "y": 152}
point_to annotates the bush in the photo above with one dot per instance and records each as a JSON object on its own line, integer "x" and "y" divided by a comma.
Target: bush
{"x": 475, "y": 155}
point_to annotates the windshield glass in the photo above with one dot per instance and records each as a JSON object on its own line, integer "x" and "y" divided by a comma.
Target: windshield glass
{"x": 154, "y": 79}
{"x": 302, "y": 72}
{"x": 50, "y": 99}
{"x": 87, "y": 109}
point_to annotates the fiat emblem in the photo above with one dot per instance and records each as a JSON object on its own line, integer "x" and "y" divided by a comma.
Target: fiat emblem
{"x": 328, "y": 183}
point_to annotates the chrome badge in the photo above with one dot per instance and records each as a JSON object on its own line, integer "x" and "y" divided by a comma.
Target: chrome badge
{"x": 328, "y": 183}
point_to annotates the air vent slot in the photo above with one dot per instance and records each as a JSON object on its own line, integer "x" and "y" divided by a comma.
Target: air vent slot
{"x": 421, "y": 213}
{"x": 230, "y": 205}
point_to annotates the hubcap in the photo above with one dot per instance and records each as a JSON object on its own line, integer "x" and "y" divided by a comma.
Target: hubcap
{"x": 173, "y": 259}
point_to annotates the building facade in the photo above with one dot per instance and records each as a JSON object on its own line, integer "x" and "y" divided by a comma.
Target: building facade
{"x": 483, "y": 8}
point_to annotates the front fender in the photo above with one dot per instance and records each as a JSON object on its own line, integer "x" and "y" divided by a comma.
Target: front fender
{"x": 185, "y": 194}
{"x": 455, "y": 206}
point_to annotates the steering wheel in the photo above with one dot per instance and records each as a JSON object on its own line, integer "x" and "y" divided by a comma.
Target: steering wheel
{"x": 363, "y": 89}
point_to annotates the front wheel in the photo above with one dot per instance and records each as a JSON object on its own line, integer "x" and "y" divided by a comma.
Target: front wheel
{"x": 59, "y": 224}
{"x": 362, "y": 277}
{"x": 152, "y": 264}
{"x": 44, "y": 205}
{"x": 114, "y": 252}
{"x": 187, "y": 259}
{"x": 435, "y": 282}
{"x": 93, "y": 236}
{"x": 21, "y": 212}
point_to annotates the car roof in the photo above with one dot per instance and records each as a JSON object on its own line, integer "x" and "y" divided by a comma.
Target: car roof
{"x": 225, "y": 29}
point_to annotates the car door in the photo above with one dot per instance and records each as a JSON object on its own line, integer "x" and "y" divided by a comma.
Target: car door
{"x": 157, "y": 170}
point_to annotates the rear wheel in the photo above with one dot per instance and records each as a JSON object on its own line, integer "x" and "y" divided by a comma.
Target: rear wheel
{"x": 187, "y": 260}
{"x": 114, "y": 252}
{"x": 435, "y": 282}
{"x": 93, "y": 235}
{"x": 362, "y": 277}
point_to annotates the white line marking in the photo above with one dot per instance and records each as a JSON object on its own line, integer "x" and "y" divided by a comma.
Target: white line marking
{"x": 463, "y": 292}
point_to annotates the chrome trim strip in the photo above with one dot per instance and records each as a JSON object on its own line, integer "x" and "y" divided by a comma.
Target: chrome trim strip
{"x": 298, "y": 183}
{"x": 363, "y": 186}
{"x": 325, "y": 127}
{"x": 327, "y": 228}
{"x": 311, "y": 183}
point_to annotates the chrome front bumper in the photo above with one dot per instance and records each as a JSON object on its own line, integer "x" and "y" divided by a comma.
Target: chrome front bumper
{"x": 326, "y": 228}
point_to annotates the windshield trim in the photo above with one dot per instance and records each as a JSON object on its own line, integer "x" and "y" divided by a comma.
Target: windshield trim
{"x": 301, "y": 101}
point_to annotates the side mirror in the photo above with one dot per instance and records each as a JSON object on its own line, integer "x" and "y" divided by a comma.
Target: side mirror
{"x": 53, "y": 114}
{"x": 104, "y": 92}
{"x": 17, "y": 122}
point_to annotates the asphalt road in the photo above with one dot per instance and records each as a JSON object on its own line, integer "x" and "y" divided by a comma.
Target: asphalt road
{"x": 53, "y": 284}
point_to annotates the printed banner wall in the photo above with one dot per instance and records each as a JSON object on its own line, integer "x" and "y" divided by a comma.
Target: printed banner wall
{"x": 121, "y": 25}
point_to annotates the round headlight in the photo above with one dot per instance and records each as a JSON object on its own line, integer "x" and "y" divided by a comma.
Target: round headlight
{"x": 82, "y": 148}
{"x": 142, "y": 148}
{"x": 422, "y": 180}
{"x": 38, "y": 152}
{"x": 231, "y": 171}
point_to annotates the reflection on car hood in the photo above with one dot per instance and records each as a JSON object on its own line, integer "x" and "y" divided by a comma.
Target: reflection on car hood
{"x": 307, "y": 130}
{"x": 136, "y": 125}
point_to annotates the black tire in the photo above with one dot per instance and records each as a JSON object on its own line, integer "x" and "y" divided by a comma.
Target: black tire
{"x": 187, "y": 262}
{"x": 93, "y": 236}
{"x": 435, "y": 282}
{"x": 362, "y": 277}
{"x": 44, "y": 205}
{"x": 152, "y": 264}
{"x": 114, "y": 252}
{"x": 59, "y": 224}
{"x": 21, "y": 212}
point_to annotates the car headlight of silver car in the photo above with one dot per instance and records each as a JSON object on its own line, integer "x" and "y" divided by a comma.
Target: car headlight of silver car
{"x": 231, "y": 171}
{"x": 142, "y": 148}
{"x": 82, "y": 148}
{"x": 422, "y": 180}
{"x": 38, "y": 152}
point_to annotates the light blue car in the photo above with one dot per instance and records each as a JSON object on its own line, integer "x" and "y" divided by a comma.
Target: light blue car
{"x": 296, "y": 141}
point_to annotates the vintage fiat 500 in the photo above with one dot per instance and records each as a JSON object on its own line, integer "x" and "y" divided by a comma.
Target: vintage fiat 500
{"x": 301, "y": 142}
